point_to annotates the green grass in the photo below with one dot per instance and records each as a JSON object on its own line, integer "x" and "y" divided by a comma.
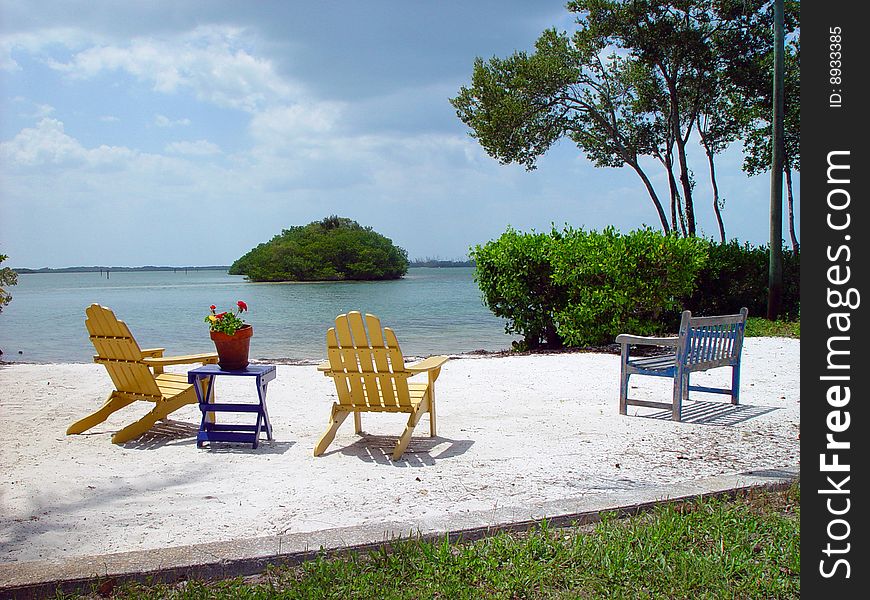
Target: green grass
{"x": 758, "y": 327}
{"x": 745, "y": 547}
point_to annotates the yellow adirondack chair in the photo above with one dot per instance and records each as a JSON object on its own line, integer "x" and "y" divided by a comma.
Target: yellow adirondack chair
{"x": 370, "y": 376}
{"x": 137, "y": 374}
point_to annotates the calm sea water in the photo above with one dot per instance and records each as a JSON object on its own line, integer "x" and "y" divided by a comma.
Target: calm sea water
{"x": 432, "y": 311}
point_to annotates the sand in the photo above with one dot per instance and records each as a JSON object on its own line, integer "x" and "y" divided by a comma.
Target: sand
{"x": 513, "y": 431}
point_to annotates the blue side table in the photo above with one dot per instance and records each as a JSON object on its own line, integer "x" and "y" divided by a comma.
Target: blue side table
{"x": 209, "y": 429}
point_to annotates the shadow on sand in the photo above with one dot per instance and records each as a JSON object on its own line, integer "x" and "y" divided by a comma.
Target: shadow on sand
{"x": 713, "y": 413}
{"x": 421, "y": 451}
{"x": 181, "y": 433}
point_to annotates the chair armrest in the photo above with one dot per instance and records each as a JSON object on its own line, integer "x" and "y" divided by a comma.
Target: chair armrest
{"x": 207, "y": 358}
{"x": 153, "y": 352}
{"x": 638, "y": 340}
{"x": 427, "y": 364}
{"x": 324, "y": 368}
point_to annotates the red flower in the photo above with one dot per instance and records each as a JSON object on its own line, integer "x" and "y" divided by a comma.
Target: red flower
{"x": 228, "y": 321}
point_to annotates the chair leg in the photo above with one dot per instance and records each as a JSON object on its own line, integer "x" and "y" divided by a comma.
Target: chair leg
{"x": 623, "y": 391}
{"x": 679, "y": 386}
{"x": 357, "y": 423}
{"x": 336, "y": 418}
{"x": 134, "y": 430}
{"x": 113, "y": 403}
{"x": 432, "y": 426}
{"x": 409, "y": 429}
{"x": 735, "y": 384}
{"x": 162, "y": 410}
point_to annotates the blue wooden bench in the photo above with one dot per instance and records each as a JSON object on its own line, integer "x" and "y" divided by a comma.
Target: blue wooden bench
{"x": 703, "y": 343}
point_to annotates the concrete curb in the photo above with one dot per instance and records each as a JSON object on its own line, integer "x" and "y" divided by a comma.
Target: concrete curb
{"x": 221, "y": 560}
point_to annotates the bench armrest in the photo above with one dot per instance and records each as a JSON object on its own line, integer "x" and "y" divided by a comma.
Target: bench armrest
{"x": 639, "y": 340}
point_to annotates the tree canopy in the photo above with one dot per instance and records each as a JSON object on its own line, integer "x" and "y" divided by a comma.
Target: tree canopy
{"x": 333, "y": 249}
{"x": 7, "y": 277}
{"x": 634, "y": 80}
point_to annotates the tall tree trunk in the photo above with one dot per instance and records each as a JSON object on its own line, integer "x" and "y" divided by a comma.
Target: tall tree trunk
{"x": 687, "y": 187}
{"x": 652, "y": 194}
{"x": 790, "y": 197}
{"x": 674, "y": 99}
{"x": 716, "y": 210}
{"x": 667, "y": 160}
{"x": 682, "y": 218}
{"x": 675, "y": 194}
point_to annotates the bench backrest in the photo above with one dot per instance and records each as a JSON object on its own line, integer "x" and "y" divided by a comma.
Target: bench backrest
{"x": 708, "y": 342}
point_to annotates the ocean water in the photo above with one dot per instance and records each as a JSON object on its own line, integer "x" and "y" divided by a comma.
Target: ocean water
{"x": 432, "y": 311}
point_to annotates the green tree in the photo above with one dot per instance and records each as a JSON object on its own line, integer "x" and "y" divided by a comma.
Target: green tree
{"x": 634, "y": 80}
{"x": 518, "y": 107}
{"x": 719, "y": 122}
{"x": 7, "y": 277}
{"x": 333, "y": 249}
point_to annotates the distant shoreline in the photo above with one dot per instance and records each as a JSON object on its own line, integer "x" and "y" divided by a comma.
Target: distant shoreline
{"x": 21, "y": 271}
{"x": 104, "y": 269}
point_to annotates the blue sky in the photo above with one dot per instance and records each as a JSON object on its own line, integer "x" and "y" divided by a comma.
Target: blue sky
{"x": 187, "y": 132}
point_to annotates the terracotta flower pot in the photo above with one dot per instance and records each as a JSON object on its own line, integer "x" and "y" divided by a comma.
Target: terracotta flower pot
{"x": 233, "y": 349}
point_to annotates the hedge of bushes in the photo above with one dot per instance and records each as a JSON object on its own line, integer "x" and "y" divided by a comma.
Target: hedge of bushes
{"x": 582, "y": 288}
{"x": 736, "y": 275}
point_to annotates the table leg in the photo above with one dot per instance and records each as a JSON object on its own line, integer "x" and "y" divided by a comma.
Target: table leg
{"x": 262, "y": 387}
{"x": 205, "y": 394}
{"x": 207, "y": 384}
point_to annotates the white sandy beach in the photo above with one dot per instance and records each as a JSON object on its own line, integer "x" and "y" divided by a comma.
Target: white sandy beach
{"x": 513, "y": 431}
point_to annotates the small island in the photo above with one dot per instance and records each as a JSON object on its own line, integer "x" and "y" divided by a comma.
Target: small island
{"x": 334, "y": 249}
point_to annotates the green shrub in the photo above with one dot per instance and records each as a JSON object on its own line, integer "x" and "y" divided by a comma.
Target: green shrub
{"x": 579, "y": 288}
{"x": 616, "y": 283}
{"x": 516, "y": 279}
{"x": 737, "y": 275}
{"x": 584, "y": 288}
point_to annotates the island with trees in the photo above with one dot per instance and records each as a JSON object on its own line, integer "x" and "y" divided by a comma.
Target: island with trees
{"x": 334, "y": 249}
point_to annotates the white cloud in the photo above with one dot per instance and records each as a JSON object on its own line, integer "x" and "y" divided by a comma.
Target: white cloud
{"x": 197, "y": 148}
{"x": 109, "y": 119}
{"x": 35, "y": 42}
{"x": 212, "y": 62}
{"x": 164, "y": 121}
{"x": 41, "y": 110}
{"x": 289, "y": 126}
{"x": 48, "y": 144}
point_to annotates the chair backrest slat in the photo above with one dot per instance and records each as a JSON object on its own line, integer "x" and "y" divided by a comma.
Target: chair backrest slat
{"x": 119, "y": 352}
{"x": 366, "y": 363}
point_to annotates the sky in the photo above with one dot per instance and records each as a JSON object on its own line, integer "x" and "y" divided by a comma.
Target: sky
{"x": 184, "y": 133}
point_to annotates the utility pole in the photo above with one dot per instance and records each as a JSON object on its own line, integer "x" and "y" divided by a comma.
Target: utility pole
{"x": 774, "y": 280}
